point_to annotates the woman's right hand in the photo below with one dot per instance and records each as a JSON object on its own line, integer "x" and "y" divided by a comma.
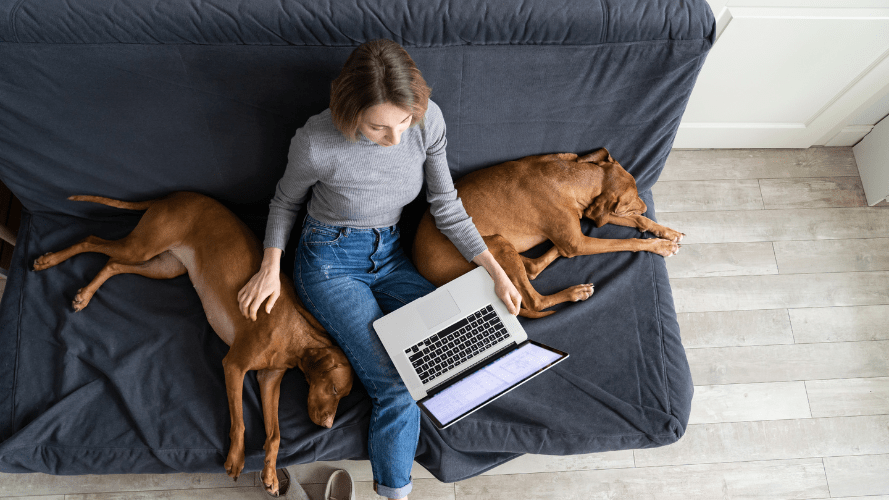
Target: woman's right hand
{"x": 266, "y": 284}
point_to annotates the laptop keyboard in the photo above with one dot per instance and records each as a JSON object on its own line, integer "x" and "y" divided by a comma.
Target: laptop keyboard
{"x": 457, "y": 343}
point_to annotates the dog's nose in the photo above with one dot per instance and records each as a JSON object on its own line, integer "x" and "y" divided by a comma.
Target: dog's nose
{"x": 327, "y": 420}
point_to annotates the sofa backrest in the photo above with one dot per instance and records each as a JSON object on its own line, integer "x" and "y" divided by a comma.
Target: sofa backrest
{"x": 136, "y": 98}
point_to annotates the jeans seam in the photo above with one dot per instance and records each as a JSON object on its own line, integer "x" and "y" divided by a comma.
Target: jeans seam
{"x": 309, "y": 299}
{"x": 396, "y": 297}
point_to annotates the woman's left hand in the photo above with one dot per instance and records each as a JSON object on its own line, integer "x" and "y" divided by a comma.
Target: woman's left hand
{"x": 502, "y": 284}
{"x": 508, "y": 294}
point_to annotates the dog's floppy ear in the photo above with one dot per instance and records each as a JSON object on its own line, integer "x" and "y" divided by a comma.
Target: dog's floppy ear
{"x": 313, "y": 361}
{"x": 599, "y": 156}
{"x": 601, "y": 206}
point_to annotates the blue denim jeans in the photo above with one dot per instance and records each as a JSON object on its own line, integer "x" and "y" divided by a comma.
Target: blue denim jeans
{"x": 347, "y": 278}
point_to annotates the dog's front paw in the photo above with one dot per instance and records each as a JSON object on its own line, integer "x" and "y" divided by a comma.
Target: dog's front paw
{"x": 270, "y": 480}
{"x": 664, "y": 248}
{"x": 670, "y": 234}
{"x": 234, "y": 464}
{"x": 581, "y": 292}
{"x": 45, "y": 261}
{"x": 81, "y": 300}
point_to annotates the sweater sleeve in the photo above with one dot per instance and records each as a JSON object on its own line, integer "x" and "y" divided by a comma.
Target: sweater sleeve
{"x": 446, "y": 207}
{"x": 291, "y": 192}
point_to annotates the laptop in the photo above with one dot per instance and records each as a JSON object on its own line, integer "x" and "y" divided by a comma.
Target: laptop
{"x": 458, "y": 348}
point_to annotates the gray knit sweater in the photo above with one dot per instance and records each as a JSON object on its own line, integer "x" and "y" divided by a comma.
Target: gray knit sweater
{"x": 365, "y": 185}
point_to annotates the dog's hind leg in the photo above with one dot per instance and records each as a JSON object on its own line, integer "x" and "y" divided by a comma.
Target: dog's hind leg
{"x": 88, "y": 244}
{"x": 533, "y": 267}
{"x": 162, "y": 266}
{"x": 533, "y": 303}
{"x": 270, "y": 390}
{"x": 235, "y": 370}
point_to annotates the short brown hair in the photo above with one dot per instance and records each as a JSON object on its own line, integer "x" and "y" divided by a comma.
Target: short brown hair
{"x": 377, "y": 72}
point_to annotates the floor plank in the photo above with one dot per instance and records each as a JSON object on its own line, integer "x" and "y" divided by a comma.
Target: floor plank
{"x": 832, "y": 256}
{"x": 749, "y": 402}
{"x": 692, "y": 196}
{"x": 45, "y": 484}
{"x": 879, "y": 497}
{"x": 773, "y": 440}
{"x": 251, "y": 493}
{"x": 42, "y": 497}
{"x": 849, "y": 397}
{"x": 857, "y": 476}
{"x": 532, "y": 464}
{"x": 709, "y": 164}
{"x": 735, "y": 328}
{"x": 736, "y": 293}
{"x": 840, "y": 324}
{"x": 725, "y": 259}
{"x": 788, "y": 363}
{"x": 779, "y": 225}
{"x": 773, "y": 480}
{"x": 815, "y": 192}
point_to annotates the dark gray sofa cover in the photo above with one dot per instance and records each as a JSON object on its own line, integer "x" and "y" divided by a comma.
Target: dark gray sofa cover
{"x": 133, "y": 99}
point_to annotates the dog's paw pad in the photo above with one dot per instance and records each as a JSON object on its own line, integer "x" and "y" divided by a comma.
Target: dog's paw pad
{"x": 42, "y": 262}
{"x": 581, "y": 292}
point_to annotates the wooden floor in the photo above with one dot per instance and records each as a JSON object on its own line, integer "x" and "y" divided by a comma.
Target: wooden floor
{"x": 782, "y": 289}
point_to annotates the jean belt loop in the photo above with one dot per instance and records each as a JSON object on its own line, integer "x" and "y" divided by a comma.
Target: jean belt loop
{"x": 346, "y": 230}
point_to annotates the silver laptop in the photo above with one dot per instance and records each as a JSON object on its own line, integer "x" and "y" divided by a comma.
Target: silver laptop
{"x": 458, "y": 348}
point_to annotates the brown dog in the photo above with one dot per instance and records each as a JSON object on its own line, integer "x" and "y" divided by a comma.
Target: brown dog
{"x": 189, "y": 232}
{"x": 519, "y": 204}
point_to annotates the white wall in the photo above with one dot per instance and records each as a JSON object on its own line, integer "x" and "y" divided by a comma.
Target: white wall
{"x": 789, "y": 74}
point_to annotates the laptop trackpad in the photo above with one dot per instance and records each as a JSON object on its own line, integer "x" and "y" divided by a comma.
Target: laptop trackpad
{"x": 437, "y": 308}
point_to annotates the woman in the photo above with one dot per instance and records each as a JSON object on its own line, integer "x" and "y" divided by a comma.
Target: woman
{"x": 363, "y": 160}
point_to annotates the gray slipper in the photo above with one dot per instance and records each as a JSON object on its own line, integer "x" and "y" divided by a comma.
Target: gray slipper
{"x": 340, "y": 486}
{"x": 288, "y": 489}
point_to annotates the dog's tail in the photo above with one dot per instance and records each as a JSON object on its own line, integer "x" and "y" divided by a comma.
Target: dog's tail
{"x": 129, "y": 205}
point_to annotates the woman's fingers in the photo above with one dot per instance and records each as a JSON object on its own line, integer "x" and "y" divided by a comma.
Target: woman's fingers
{"x": 274, "y": 298}
{"x": 255, "y": 292}
{"x": 247, "y": 298}
{"x": 511, "y": 297}
{"x": 517, "y": 298}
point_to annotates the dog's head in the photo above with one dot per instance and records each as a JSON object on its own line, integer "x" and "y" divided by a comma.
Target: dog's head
{"x": 330, "y": 376}
{"x": 619, "y": 195}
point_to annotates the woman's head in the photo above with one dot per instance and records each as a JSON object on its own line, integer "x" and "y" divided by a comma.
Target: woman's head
{"x": 380, "y": 93}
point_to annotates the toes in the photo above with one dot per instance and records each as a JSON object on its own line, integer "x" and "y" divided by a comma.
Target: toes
{"x": 41, "y": 263}
{"x": 233, "y": 470}
{"x": 583, "y": 292}
{"x": 80, "y": 300}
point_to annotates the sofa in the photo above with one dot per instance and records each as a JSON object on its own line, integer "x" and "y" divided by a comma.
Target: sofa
{"x": 133, "y": 99}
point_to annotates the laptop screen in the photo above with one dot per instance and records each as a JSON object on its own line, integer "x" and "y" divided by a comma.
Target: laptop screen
{"x": 492, "y": 380}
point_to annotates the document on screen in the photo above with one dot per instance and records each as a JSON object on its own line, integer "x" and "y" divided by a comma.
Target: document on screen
{"x": 489, "y": 382}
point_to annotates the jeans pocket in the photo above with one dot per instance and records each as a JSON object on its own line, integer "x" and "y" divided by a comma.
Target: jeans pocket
{"x": 317, "y": 235}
